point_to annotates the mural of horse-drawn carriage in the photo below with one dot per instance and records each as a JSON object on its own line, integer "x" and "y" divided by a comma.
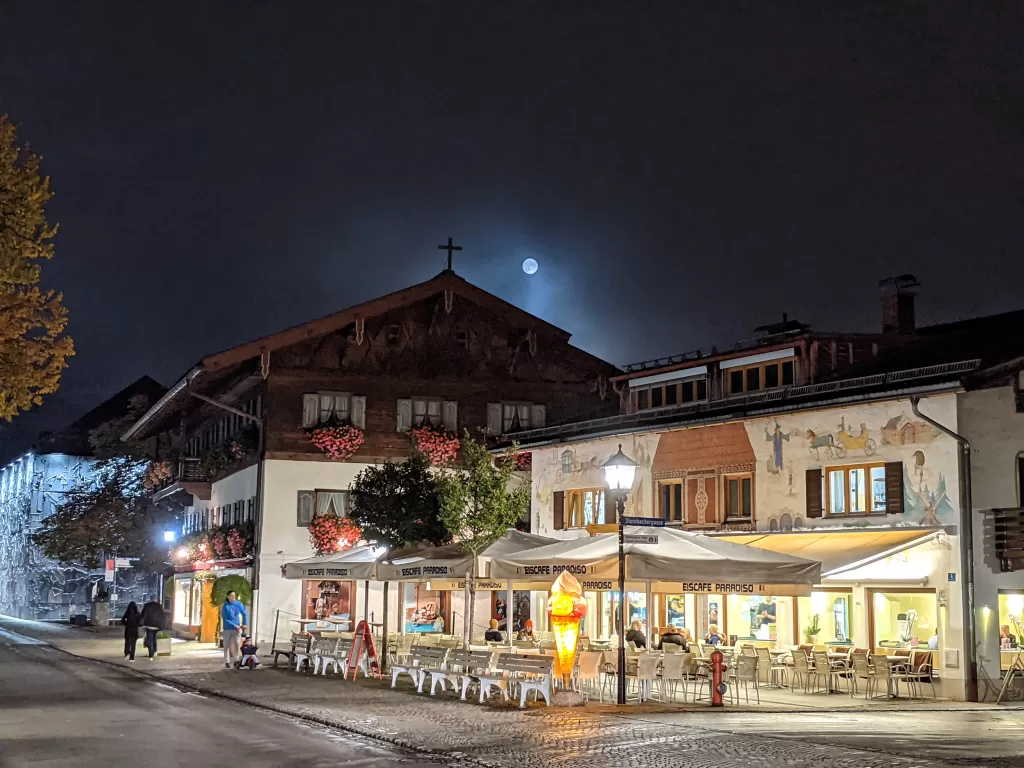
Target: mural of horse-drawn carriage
{"x": 837, "y": 446}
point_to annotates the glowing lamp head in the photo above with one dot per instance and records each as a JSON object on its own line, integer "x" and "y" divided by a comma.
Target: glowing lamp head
{"x": 182, "y": 553}
{"x": 619, "y": 471}
{"x": 169, "y": 536}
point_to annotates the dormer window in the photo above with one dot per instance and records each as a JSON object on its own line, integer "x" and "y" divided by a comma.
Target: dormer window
{"x": 759, "y": 372}
{"x": 669, "y": 389}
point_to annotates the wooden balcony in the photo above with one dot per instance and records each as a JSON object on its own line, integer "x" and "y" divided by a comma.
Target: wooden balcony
{"x": 190, "y": 478}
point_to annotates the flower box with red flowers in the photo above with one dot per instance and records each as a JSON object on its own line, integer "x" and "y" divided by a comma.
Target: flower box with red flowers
{"x": 439, "y": 445}
{"x": 330, "y": 533}
{"x": 339, "y": 441}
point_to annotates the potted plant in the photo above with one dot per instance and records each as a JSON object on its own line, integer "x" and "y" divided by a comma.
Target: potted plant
{"x": 813, "y": 629}
{"x": 163, "y": 644}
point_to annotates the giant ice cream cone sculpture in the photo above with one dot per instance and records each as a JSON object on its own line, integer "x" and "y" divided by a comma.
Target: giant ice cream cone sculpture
{"x": 566, "y": 607}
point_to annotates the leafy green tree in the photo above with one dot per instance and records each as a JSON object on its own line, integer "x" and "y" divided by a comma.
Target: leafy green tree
{"x": 481, "y": 499}
{"x": 33, "y": 349}
{"x": 233, "y": 583}
{"x": 398, "y": 504}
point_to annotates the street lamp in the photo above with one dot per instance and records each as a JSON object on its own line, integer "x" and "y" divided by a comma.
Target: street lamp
{"x": 619, "y": 471}
{"x": 170, "y": 536}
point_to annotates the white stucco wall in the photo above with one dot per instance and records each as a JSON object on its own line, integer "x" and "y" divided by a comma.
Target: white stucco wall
{"x": 995, "y": 430}
{"x": 284, "y": 541}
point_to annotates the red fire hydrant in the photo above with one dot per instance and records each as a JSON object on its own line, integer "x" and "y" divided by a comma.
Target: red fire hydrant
{"x": 718, "y": 686}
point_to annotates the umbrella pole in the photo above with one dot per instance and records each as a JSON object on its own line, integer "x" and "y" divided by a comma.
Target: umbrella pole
{"x": 650, "y": 615}
{"x": 384, "y": 640}
{"x": 509, "y": 611}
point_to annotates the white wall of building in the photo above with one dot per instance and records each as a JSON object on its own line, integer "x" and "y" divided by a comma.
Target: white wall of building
{"x": 284, "y": 541}
{"x": 990, "y": 422}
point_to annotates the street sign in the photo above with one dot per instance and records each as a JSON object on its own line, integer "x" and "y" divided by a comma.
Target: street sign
{"x": 635, "y": 538}
{"x": 646, "y": 522}
{"x": 122, "y": 562}
{"x": 951, "y": 577}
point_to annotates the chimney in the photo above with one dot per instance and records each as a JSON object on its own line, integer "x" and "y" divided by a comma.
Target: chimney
{"x": 898, "y": 303}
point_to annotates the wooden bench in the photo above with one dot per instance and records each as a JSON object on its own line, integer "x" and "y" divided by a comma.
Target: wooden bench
{"x": 299, "y": 645}
{"x": 338, "y": 656}
{"x": 320, "y": 651}
{"x": 419, "y": 656}
{"x": 530, "y": 673}
{"x": 464, "y": 666}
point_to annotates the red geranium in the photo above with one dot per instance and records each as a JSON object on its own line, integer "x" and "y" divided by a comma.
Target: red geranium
{"x": 337, "y": 441}
{"x": 439, "y": 445}
{"x": 330, "y": 533}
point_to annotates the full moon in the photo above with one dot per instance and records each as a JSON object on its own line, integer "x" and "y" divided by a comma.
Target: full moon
{"x": 530, "y": 266}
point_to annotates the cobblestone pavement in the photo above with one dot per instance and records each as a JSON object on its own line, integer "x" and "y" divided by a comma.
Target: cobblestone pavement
{"x": 500, "y": 735}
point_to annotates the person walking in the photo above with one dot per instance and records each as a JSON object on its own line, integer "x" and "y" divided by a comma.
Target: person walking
{"x": 153, "y": 620}
{"x": 131, "y": 620}
{"x": 232, "y": 619}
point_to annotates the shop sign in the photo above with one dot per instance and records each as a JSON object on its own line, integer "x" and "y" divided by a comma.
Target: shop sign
{"x": 425, "y": 570}
{"x": 316, "y": 573}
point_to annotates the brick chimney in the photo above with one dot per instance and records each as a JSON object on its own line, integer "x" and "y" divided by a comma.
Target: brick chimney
{"x": 898, "y": 303}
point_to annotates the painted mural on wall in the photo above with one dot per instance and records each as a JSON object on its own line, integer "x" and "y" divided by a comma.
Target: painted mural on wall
{"x": 563, "y": 467}
{"x": 874, "y": 434}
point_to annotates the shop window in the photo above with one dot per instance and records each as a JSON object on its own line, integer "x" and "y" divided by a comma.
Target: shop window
{"x": 856, "y": 490}
{"x": 739, "y": 496}
{"x": 425, "y": 610}
{"x": 831, "y": 613}
{"x": 670, "y": 494}
{"x": 1011, "y": 626}
{"x": 752, "y": 617}
{"x": 904, "y": 619}
{"x": 584, "y": 507}
{"x": 329, "y": 600}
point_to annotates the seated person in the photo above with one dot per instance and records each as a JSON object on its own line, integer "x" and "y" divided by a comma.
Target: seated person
{"x": 493, "y": 634}
{"x": 672, "y": 636}
{"x": 249, "y": 658}
{"x": 712, "y": 636}
{"x": 636, "y": 635}
{"x": 526, "y": 633}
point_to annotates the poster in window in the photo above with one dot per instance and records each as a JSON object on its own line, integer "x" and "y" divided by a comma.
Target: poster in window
{"x": 712, "y": 613}
{"x": 675, "y": 610}
{"x": 637, "y": 607}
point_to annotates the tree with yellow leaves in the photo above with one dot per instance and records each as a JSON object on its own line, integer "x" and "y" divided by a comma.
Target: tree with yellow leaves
{"x": 33, "y": 351}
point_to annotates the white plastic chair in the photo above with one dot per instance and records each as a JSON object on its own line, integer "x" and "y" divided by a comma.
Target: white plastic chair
{"x": 646, "y": 674}
{"x": 672, "y": 672}
{"x": 590, "y": 673}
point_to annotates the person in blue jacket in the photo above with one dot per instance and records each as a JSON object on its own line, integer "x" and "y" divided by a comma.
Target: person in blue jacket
{"x": 233, "y": 619}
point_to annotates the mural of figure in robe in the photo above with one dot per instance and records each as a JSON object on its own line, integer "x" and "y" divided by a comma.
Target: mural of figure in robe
{"x": 775, "y": 437}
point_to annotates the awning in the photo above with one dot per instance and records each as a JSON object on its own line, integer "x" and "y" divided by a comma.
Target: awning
{"x": 834, "y": 548}
{"x": 355, "y": 564}
{"x": 450, "y": 561}
{"x": 680, "y": 560}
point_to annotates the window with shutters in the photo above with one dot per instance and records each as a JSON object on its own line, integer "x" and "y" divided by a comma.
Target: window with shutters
{"x": 333, "y": 408}
{"x": 858, "y": 489}
{"x": 507, "y": 417}
{"x": 669, "y": 393}
{"x": 754, "y": 378}
{"x": 305, "y": 508}
{"x": 427, "y": 412}
{"x": 583, "y": 507}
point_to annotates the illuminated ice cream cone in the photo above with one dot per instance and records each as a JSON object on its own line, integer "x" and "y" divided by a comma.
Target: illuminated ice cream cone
{"x": 566, "y": 607}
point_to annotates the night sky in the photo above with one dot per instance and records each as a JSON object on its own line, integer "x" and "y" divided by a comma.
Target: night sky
{"x": 681, "y": 174}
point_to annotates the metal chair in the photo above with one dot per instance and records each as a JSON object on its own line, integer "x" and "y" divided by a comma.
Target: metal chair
{"x": 801, "y": 671}
{"x": 861, "y": 671}
{"x": 828, "y": 670}
{"x": 745, "y": 672}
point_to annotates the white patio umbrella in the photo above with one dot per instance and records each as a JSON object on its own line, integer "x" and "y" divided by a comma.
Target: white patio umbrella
{"x": 689, "y": 562}
{"x": 356, "y": 564}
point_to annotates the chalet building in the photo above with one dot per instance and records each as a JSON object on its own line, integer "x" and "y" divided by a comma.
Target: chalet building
{"x": 878, "y": 455}
{"x": 443, "y": 354}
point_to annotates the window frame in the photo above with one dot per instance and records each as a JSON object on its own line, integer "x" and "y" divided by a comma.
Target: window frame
{"x": 569, "y": 493}
{"x": 346, "y": 396}
{"x": 506, "y": 424}
{"x": 679, "y": 386}
{"x": 426, "y": 402}
{"x": 299, "y": 496}
{"x": 761, "y": 368}
{"x": 740, "y": 477}
{"x": 846, "y": 469}
{"x": 664, "y": 514}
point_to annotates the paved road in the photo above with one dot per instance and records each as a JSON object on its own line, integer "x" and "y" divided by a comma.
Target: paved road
{"x": 59, "y": 711}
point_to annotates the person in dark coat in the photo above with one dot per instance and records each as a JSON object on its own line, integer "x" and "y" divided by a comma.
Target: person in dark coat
{"x": 131, "y": 620}
{"x": 672, "y": 635}
{"x": 153, "y": 620}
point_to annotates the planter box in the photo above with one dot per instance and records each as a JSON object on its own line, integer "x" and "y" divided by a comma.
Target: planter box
{"x": 163, "y": 646}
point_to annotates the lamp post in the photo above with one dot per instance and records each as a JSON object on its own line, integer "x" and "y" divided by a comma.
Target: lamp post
{"x": 618, "y": 474}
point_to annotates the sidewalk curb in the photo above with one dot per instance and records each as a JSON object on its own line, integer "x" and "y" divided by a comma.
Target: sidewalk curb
{"x": 382, "y": 738}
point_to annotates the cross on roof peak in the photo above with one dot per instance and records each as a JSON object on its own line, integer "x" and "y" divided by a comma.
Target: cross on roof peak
{"x": 449, "y": 248}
